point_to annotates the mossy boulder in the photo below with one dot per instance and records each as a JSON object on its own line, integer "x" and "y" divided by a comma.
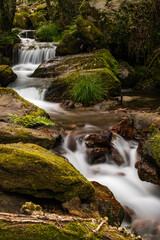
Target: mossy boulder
{"x": 90, "y": 34}
{"x": 32, "y": 170}
{"x": 21, "y": 20}
{"x": 12, "y": 103}
{"x": 6, "y": 75}
{"x": 68, "y": 46}
{"x": 11, "y": 133}
{"x": 60, "y": 89}
{"x": 37, "y": 18}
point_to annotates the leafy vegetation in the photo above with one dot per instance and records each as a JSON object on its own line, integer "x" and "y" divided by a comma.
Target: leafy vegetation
{"x": 87, "y": 90}
{"x": 48, "y": 33}
{"x": 31, "y": 120}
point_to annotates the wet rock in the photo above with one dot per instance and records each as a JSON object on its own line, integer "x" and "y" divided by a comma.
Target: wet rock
{"x": 71, "y": 144}
{"x": 129, "y": 214}
{"x": 105, "y": 203}
{"x": 125, "y": 128}
{"x": 147, "y": 228}
{"x": 148, "y": 172}
{"x": 11, "y": 133}
{"x": 116, "y": 157}
{"x": 67, "y": 104}
{"x": 32, "y": 170}
{"x": 99, "y": 140}
{"x": 96, "y": 155}
{"x": 6, "y": 75}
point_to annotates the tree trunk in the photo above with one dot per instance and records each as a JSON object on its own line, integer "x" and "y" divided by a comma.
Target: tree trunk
{"x": 7, "y": 12}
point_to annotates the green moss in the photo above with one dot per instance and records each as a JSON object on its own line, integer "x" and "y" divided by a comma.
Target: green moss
{"x": 40, "y": 173}
{"x": 37, "y": 18}
{"x": 153, "y": 147}
{"x": 21, "y": 20}
{"x": 68, "y": 231}
{"x": 90, "y": 33}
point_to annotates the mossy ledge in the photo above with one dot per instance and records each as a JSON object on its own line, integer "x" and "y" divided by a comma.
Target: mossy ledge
{"x": 32, "y": 170}
{"x": 84, "y": 229}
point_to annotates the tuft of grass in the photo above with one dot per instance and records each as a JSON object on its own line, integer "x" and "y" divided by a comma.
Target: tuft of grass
{"x": 30, "y": 120}
{"x": 48, "y": 33}
{"x": 87, "y": 90}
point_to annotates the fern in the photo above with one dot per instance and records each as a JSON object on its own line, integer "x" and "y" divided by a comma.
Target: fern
{"x": 31, "y": 120}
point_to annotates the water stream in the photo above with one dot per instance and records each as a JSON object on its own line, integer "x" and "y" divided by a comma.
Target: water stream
{"x": 123, "y": 180}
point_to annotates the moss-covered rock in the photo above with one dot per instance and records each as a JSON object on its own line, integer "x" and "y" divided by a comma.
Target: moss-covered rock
{"x": 67, "y": 231}
{"x": 12, "y": 103}
{"x": 21, "y": 20}
{"x": 68, "y": 46}
{"x": 90, "y": 34}
{"x": 37, "y": 18}
{"x": 153, "y": 147}
{"x": 60, "y": 89}
{"x": 11, "y": 133}
{"x": 6, "y": 75}
{"x": 32, "y": 170}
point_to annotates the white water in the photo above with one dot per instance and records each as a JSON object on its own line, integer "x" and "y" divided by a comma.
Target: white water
{"x": 30, "y": 55}
{"x": 123, "y": 180}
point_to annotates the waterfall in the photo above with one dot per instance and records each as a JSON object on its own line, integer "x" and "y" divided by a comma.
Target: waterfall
{"x": 29, "y": 54}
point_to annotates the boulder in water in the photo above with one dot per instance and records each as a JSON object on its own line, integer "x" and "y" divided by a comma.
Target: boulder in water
{"x": 6, "y": 75}
{"x": 32, "y": 170}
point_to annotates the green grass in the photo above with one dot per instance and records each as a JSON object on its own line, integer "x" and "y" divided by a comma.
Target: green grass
{"x": 48, "y": 33}
{"x": 87, "y": 90}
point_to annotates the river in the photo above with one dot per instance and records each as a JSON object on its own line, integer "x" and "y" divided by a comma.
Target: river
{"x": 123, "y": 180}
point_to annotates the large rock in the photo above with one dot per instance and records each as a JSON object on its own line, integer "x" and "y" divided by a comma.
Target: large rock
{"x": 11, "y": 133}
{"x": 64, "y": 66}
{"x": 32, "y": 170}
{"x": 99, "y": 65}
{"x": 6, "y": 75}
{"x": 105, "y": 203}
{"x": 12, "y": 103}
{"x": 102, "y": 204}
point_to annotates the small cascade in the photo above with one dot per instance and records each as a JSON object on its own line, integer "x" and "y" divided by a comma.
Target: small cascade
{"x": 122, "y": 180}
{"x": 29, "y": 54}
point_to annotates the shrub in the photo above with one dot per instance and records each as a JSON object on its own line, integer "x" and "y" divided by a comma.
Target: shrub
{"x": 48, "y": 33}
{"x": 30, "y": 121}
{"x": 87, "y": 90}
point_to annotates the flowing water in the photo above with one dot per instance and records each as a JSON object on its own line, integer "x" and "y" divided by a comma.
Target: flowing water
{"x": 123, "y": 180}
